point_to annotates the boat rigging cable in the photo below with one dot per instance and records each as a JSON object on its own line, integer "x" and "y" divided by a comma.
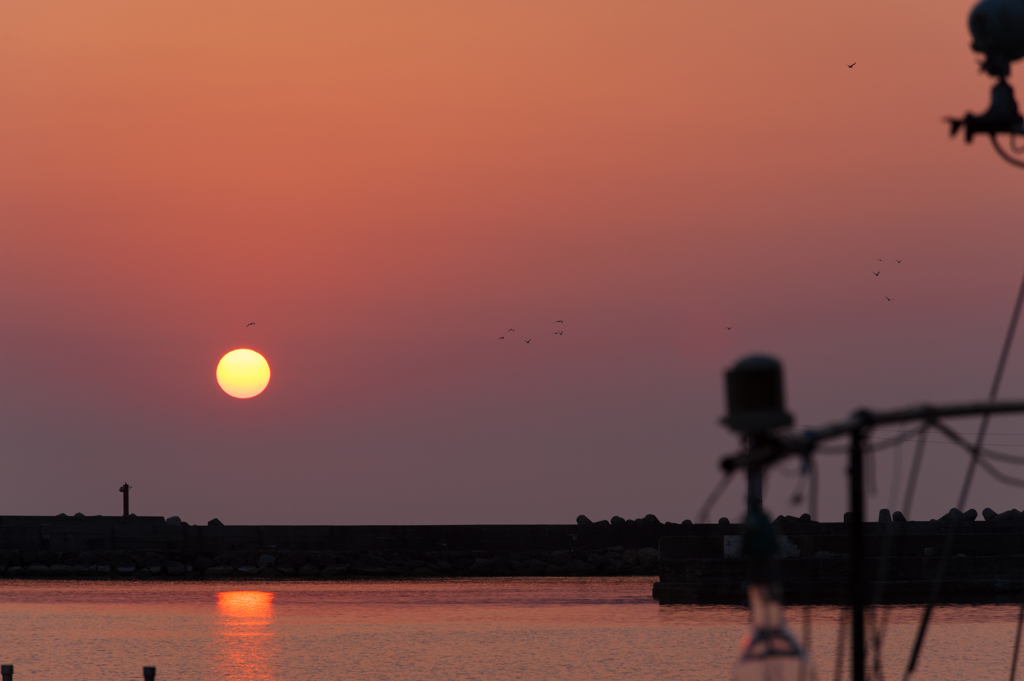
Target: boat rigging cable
{"x": 976, "y": 460}
{"x": 858, "y": 428}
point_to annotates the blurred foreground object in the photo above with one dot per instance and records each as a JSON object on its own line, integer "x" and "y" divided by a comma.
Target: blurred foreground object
{"x": 768, "y": 650}
{"x": 753, "y": 390}
{"x": 998, "y": 30}
{"x": 757, "y": 410}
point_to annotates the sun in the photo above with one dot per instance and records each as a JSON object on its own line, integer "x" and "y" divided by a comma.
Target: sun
{"x": 243, "y": 373}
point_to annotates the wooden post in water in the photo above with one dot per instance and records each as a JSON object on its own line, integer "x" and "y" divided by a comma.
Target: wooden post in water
{"x": 148, "y": 673}
{"x": 7, "y": 672}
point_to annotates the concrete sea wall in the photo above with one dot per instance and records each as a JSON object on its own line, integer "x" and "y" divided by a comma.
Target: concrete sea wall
{"x": 147, "y": 547}
{"x": 695, "y": 563}
{"x": 704, "y": 564}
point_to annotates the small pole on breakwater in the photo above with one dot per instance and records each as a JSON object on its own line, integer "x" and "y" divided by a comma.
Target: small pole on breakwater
{"x": 7, "y": 672}
{"x": 148, "y": 673}
{"x": 124, "y": 490}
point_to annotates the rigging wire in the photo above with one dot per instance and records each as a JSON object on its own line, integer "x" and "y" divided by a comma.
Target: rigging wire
{"x": 806, "y": 638}
{"x": 891, "y": 530}
{"x": 876, "y": 643}
{"x": 869, "y": 468}
{"x": 915, "y": 469}
{"x": 966, "y": 432}
{"x": 1000, "y": 456}
{"x": 979, "y": 460}
{"x": 1006, "y": 157}
{"x": 947, "y": 549}
{"x": 797, "y": 496}
{"x": 841, "y": 646}
{"x": 812, "y": 492}
{"x": 1012, "y": 458}
{"x": 1016, "y": 641}
{"x": 985, "y": 452}
{"x": 975, "y": 460}
{"x": 716, "y": 492}
{"x": 897, "y": 474}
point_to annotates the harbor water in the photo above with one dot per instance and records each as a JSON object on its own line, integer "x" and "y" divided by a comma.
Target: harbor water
{"x": 489, "y": 629}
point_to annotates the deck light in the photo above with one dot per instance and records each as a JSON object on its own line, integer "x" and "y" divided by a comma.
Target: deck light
{"x": 754, "y": 389}
{"x": 998, "y": 30}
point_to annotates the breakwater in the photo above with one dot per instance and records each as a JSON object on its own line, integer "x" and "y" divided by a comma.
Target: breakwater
{"x": 147, "y": 547}
{"x": 695, "y": 563}
{"x": 704, "y": 563}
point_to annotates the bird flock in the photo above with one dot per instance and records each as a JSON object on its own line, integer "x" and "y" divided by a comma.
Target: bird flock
{"x": 728, "y": 328}
{"x": 879, "y": 272}
{"x": 527, "y": 341}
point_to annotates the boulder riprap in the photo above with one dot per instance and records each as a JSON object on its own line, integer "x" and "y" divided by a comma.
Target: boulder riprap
{"x": 286, "y": 564}
{"x": 1011, "y": 516}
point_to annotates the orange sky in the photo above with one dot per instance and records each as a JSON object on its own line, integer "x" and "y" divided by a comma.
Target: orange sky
{"x": 386, "y": 188}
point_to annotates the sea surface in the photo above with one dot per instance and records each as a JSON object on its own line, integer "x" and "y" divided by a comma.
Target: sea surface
{"x": 489, "y": 629}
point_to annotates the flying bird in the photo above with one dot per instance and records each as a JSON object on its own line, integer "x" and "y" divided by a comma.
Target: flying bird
{"x": 899, "y": 261}
{"x": 527, "y": 341}
{"x": 879, "y": 260}
{"x": 249, "y": 324}
{"x": 850, "y": 66}
{"x": 501, "y": 338}
{"x": 559, "y": 321}
{"x": 558, "y": 333}
{"x": 728, "y": 328}
{"x": 877, "y": 273}
{"x": 889, "y": 299}
{"x": 511, "y": 330}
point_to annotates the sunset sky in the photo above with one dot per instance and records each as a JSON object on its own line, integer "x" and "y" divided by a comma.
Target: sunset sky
{"x": 387, "y": 188}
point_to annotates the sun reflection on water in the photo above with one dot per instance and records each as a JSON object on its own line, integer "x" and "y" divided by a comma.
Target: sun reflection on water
{"x": 246, "y": 619}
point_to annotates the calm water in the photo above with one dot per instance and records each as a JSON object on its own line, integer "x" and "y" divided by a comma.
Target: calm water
{"x": 488, "y": 629}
